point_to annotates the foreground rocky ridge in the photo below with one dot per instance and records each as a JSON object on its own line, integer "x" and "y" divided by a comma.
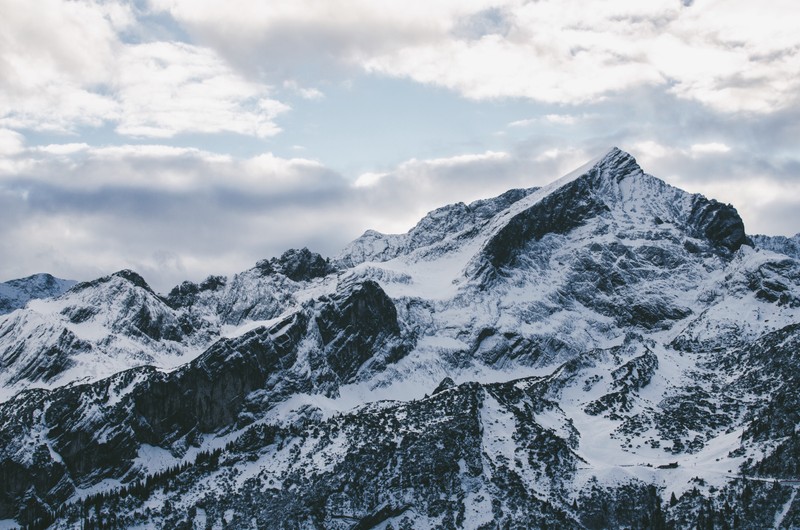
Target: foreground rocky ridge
{"x": 603, "y": 352}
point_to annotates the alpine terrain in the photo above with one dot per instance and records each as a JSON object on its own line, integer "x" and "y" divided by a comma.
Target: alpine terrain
{"x": 607, "y": 351}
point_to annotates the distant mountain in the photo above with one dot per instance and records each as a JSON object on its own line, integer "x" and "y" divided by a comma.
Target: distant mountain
{"x": 781, "y": 244}
{"x": 606, "y": 351}
{"x": 14, "y": 294}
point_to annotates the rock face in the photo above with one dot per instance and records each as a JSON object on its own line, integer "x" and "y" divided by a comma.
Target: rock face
{"x": 719, "y": 223}
{"x": 299, "y": 265}
{"x": 606, "y": 351}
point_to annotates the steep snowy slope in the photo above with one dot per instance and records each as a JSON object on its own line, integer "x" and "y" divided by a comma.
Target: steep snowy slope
{"x": 607, "y": 351}
{"x": 14, "y": 294}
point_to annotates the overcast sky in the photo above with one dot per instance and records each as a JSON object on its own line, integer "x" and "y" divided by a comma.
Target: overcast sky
{"x": 183, "y": 138}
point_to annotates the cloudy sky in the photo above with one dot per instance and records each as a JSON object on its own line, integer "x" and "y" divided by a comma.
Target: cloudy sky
{"x": 182, "y": 138}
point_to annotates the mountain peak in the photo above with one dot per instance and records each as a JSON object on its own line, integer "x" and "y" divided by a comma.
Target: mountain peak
{"x": 619, "y": 162}
{"x": 133, "y": 277}
{"x": 126, "y": 274}
{"x": 613, "y": 166}
{"x": 615, "y": 152}
{"x": 610, "y": 190}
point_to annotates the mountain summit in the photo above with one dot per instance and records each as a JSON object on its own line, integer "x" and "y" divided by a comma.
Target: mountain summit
{"x": 606, "y": 351}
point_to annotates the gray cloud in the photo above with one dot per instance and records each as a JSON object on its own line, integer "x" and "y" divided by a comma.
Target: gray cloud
{"x": 98, "y": 210}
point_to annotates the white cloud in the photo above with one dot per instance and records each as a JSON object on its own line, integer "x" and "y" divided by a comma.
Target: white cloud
{"x": 736, "y": 55}
{"x": 169, "y": 88}
{"x": 562, "y": 119}
{"x": 53, "y": 57}
{"x": 462, "y": 160}
{"x": 557, "y": 119}
{"x": 496, "y": 67}
{"x": 84, "y": 169}
{"x": 11, "y": 142}
{"x": 276, "y": 35}
{"x": 51, "y": 40}
{"x": 311, "y": 93}
{"x": 368, "y": 179}
{"x": 523, "y": 123}
{"x": 59, "y": 108}
{"x": 650, "y": 149}
{"x": 303, "y": 92}
{"x": 63, "y": 65}
{"x": 709, "y": 148}
{"x": 62, "y": 149}
{"x": 550, "y": 154}
{"x": 170, "y": 212}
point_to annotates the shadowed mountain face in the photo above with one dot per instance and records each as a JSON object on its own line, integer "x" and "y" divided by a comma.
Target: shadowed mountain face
{"x": 606, "y": 351}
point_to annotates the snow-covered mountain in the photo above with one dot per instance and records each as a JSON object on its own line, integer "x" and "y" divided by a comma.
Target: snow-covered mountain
{"x": 607, "y": 351}
{"x": 108, "y": 325}
{"x": 14, "y": 294}
{"x": 92, "y": 331}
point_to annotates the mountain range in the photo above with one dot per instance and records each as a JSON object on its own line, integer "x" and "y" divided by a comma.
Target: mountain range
{"x": 607, "y": 351}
